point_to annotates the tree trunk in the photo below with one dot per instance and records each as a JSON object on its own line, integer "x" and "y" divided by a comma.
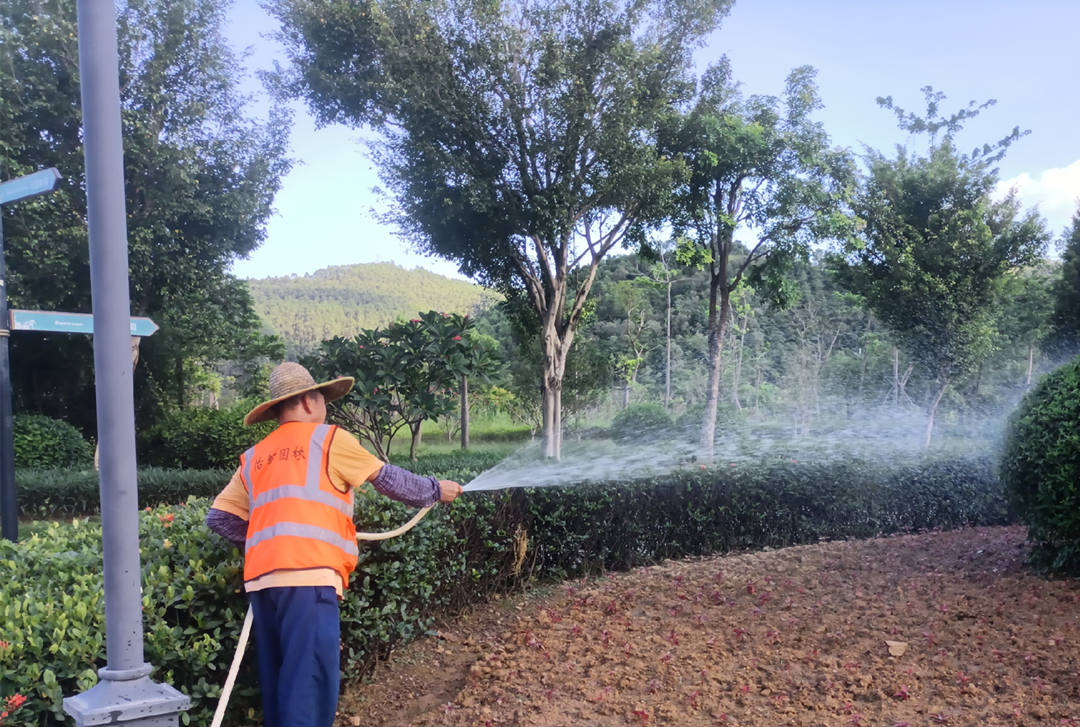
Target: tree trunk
{"x": 667, "y": 353}
{"x": 556, "y": 348}
{"x": 464, "y": 412}
{"x": 736, "y": 379}
{"x": 180, "y": 398}
{"x": 712, "y": 391}
{"x": 414, "y": 439}
{"x": 896, "y": 377}
{"x": 932, "y": 411}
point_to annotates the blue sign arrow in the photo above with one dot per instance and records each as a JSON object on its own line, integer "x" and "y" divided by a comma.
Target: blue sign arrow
{"x": 56, "y": 322}
{"x": 30, "y": 185}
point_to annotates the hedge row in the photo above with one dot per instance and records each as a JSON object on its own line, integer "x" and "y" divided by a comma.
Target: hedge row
{"x": 52, "y": 612}
{"x": 46, "y": 494}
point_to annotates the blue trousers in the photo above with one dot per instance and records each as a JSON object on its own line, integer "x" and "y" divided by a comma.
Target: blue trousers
{"x": 297, "y": 644}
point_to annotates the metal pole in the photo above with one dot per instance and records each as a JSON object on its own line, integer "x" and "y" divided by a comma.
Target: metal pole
{"x": 13, "y": 190}
{"x": 125, "y": 693}
{"x": 9, "y": 508}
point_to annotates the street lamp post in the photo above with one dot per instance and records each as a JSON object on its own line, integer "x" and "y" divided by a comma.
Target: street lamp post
{"x": 125, "y": 695}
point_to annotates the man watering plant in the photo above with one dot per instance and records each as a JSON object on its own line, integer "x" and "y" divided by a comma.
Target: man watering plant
{"x": 290, "y": 506}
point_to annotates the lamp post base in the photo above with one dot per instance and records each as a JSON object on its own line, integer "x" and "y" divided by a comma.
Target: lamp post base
{"x": 132, "y": 703}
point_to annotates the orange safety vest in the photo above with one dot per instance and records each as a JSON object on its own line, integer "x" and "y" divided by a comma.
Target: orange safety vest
{"x": 298, "y": 519}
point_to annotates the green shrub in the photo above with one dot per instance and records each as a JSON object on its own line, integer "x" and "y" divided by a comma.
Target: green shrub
{"x": 53, "y": 604}
{"x": 1040, "y": 466}
{"x": 201, "y": 438}
{"x": 48, "y": 494}
{"x": 191, "y": 580}
{"x": 193, "y": 604}
{"x": 638, "y": 419}
{"x": 44, "y": 442}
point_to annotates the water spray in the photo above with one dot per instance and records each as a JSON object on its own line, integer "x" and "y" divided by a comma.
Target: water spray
{"x": 525, "y": 468}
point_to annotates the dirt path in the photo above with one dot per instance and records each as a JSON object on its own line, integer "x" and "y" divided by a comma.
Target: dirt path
{"x": 930, "y": 629}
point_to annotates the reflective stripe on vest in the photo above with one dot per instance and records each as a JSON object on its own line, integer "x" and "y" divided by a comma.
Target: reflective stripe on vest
{"x": 304, "y": 531}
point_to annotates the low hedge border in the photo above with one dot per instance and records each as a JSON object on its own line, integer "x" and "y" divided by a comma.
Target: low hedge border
{"x": 52, "y": 613}
{"x": 57, "y": 493}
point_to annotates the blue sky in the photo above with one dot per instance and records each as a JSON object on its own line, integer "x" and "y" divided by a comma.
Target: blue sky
{"x": 1024, "y": 53}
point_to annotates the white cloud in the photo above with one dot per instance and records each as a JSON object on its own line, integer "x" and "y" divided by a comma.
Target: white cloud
{"x": 1056, "y": 192}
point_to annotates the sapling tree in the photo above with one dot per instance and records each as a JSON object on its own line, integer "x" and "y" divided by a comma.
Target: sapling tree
{"x": 632, "y": 299}
{"x": 671, "y": 260}
{"x": 1023, "y": 314}
{"x": 405, "y": 374}
{"x": 934, "y": 244}
{"x": 762, "y": 174}
{"x": 517, "y": 138}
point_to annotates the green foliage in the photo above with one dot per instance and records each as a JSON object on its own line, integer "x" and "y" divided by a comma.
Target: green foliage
{"x": 605, "y": 526}
{"x": 341, "y": 301}
{"x": 763, "y": 167}
{"x": 192, "y": 609}
{"x": 1040, "y": 466}
{"x": 517, "y": 138}
{"x": 1066, "y": 318}
{"x": 641, "y": 420}
{"x": 405, "y": 373}
{"x": 201, "y": 438}
{"x": 193, "y": 605}
{"x": 42, "y": 442}
{"x": 935, "y": 245}
{"x": 200, "y": 176}
{"x": 76, "y": 493}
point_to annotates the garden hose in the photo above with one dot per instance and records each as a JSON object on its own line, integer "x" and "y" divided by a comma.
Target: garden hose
{"x": 245, "y": 631}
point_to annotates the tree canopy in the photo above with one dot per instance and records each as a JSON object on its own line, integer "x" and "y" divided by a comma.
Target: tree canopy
{"x": 516, "y": 138}
{"x": 935, "y": 243}
{"x": 762, "y": 174}
{"x": 1066, "y": 318}
{"x": 200, "y": 179}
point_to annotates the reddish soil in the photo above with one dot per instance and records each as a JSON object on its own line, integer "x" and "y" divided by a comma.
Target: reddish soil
{"x": 930, "y": 629}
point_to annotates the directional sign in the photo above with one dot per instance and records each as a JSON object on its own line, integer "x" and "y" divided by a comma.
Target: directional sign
{"x": 29, "y": 186}
{"x": 52, "y": 321}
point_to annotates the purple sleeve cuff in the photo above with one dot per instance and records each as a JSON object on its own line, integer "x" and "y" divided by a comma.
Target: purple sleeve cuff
{"x": 401, "y": 485}
{"x": 228, "y": 526}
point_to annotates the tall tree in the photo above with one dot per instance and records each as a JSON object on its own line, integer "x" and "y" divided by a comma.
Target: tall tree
{"x": 516, "y": 137}
{"x": 1066, "y": 320}
{"x": 763, "y": 171}
{"x": 935, "y": 244}
{"x": 200, "y": 179}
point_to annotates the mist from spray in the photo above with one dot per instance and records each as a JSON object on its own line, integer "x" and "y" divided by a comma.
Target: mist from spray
{"x": 872, "y": 435}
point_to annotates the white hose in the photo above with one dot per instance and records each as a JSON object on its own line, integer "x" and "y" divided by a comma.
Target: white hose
{"x": 226, "y": 691}
{"x": 245, "y": 631}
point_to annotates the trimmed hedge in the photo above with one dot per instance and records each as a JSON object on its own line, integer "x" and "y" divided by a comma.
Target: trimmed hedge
{"x": 460, "y": 554}
{"x": 46, "y": 494}
{"x": 44, "y": 442}
{"x": 1040, "y": 467}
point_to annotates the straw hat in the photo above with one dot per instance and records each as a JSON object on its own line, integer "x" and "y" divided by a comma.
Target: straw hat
{"x": 290, "y": 379}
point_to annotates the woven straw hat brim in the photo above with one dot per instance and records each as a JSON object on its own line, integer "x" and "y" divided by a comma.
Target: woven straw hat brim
{"x": 331, "y": 391}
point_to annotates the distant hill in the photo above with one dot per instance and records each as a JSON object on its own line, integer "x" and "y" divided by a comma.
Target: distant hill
{"x": 342, "y": 300}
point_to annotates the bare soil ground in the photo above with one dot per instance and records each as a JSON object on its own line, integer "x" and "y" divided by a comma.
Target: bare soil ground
{"x": 944, "y": 628}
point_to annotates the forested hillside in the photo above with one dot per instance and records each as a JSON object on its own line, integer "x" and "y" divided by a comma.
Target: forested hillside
{"x": 342, "y": 300}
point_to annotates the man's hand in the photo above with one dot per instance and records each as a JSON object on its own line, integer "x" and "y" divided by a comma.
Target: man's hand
{"x": 449, "y": 490}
